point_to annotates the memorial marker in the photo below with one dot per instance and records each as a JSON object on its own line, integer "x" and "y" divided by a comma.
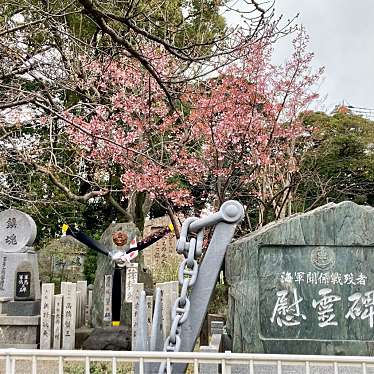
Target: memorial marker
{"x": 149, "y": 302}
{"x": 108, "y": 299}
{"x": 89, "y": 308}
{"x": 82, "y": 287}
{"x": 137, "y": 290}
{"x": 169, "y": 293}
{"x": 78, "y": 310}
{"x": 17, "y": 231}
{"x": 48, "y": 290}
{"x": 57, "y": 326}
{"x": 19, "y": 275}
{"x": 69, "y": 315}
{"x": 131, "y": 279}
{"x": 305, "y": 285}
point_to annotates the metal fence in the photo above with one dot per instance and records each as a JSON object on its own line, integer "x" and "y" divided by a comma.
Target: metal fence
{"x": 225, "y": 363}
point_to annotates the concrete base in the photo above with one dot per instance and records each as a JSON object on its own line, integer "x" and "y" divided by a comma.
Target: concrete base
{"x": 19, "y": 331}
{"x": 21, "y": 308}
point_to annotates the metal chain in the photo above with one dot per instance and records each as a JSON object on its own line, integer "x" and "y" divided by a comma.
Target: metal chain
{"x": 190, "y": 244}
{"x": 191, "y": 248}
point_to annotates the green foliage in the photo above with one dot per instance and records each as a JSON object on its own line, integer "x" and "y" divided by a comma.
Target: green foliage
{"x": 340, "y": 164}
{"x": 90, "y": 264}
{"x": 218, "y": 303}
{"x": 97, "y": 368}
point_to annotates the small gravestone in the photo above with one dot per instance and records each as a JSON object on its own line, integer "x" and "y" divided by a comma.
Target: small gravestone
{"x": 305, "y": 285}
{"x": 82, "y": 288}
{"x": 138, "y": 289}
{"x": 131, "y": 278}
{"x": 57, "y": 325}
{"x": 149, "y": 302}
{"x": 89, "y": 306}
{"x": 48, "y": 290}
{"x": 169, "y": 293}
{"x": 69, "y": 291}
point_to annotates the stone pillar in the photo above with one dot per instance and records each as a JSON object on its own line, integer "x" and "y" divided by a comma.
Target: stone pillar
{"x": 107, "y": 316}
{"x": 48, "y": 290}
{"x": 82, "y": 287}
{"x": 69, "y": 315}
{"x": 57, "y": 326}
{"x": 138, "y": 288}
{"x": 131, "y": 279}
{"x": 89, "y": 307}
{"x": 105, "y": 267}
{"x": 169, "y": 292}
{"x": 78, "y": 306}
{"x": 149, "y": 302}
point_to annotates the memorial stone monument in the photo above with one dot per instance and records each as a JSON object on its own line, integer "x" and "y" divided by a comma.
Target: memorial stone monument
{"x": 305, "y": 284}
{"x": 126, "y": 233}
{"x": 19, "y": 281}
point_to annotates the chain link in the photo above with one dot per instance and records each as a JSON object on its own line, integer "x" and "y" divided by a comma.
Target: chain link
{"x": 191, "y": 248}
{"x": 190, "y": 244}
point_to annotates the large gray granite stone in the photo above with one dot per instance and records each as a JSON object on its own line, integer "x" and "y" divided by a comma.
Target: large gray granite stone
{"x": 305, "y": 285}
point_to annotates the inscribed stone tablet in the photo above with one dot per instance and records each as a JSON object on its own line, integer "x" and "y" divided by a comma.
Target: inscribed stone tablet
{"x": 169, "y": 291}
{"x": 69, "y": 291}
{"x": 138, "y": 288}
{"x": 17, "y": 231}
{"x": 330, "y": 290}
{"x": 46, "y": 307}
{"x": 107, "y": 317}
{"x": 23, "y": 284}
{"x": 57, "y": 325}
{"x": 305, "y": 284}
{"x": 131, "y": 279}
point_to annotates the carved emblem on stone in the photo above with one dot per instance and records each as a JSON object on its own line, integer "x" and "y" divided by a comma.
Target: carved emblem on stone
{"x": 120, "y": 238}
{"x": 323, "y": 257}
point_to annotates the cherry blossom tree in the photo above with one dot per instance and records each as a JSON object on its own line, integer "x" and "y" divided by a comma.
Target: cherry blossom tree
{"x": 237, "y": 135}
{"x": 250, "y": 126}
{"x": 46, "y": 49}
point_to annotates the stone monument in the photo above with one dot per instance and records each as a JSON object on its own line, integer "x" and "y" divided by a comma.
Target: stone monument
{"x": 305, "y": 284}
{"x": 116, "y": 237}
{"x": 19, "y": 281}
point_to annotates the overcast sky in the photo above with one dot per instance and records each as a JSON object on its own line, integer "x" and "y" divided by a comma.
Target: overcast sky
{"x": 342, "y": 38}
